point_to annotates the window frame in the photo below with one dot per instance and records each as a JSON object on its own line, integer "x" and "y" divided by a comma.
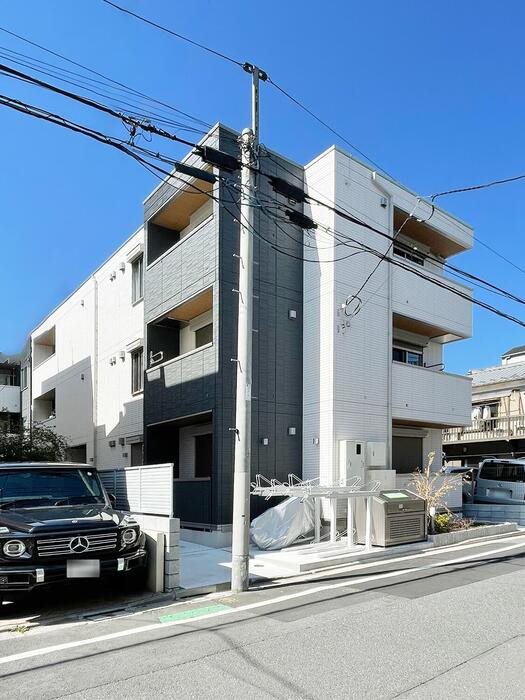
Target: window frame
{"x": 407, "y": 350}
{"x": 137, "y": 270}
{"x": 412, "y": 256}
{"x": 198, "y": 330}
{"x": 135, "y": 354}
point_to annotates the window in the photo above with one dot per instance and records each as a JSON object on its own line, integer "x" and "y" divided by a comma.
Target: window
{"x": 203, "y": 455}
{"x": 137, "y": 454}
{"x": 413, "y": 256}
{"x": 137, "y": 371}
{"x": 204, "y": 335}
{"x": 137, "y": 279}
{"x": 408, "y": 356}
{"x": 26, "y": 488}
{"x": 23, "y": 376}
{"x": 499, "y": 471}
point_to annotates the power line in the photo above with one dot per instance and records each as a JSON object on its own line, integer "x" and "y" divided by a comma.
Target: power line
{"x": 318, "y": 119}
{"x": 173, "y": 33}
{"x": 346, "y": 214}
{"x": 243, "y": 65}
{"x": 118, "y": 101}
{"x": 483, "y": 186}
{"x": 61, "y": 121}
{"x": 126, "y": 119}
{"x": 101, "y": 75}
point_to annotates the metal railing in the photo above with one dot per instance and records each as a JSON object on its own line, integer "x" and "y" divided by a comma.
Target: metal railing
{"x": 497, "y": 428}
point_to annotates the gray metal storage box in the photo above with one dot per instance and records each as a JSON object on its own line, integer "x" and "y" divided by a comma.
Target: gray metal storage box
{"x": 398, "y": 517}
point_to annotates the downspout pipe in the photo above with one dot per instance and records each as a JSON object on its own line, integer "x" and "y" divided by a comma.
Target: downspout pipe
{"x": 95, "y": 367}
{"x": 388, "y": 196}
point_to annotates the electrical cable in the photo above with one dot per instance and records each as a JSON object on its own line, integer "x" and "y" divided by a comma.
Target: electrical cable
{"x": 483, "y": 186}
{"x": 151, "y": 116}
{"x": 346, "y": 214}
{"x": 101, "y": 75}
{"x": 92, "y": 103}
{"x": 61, "y": 121}
{"x": 175, "y": 34}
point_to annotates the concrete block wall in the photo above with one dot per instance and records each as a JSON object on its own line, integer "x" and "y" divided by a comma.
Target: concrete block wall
{"x": 169, "y": 531}
{"x": 495, "y": 513}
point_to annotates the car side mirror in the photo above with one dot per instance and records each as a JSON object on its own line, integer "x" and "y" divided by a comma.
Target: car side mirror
{"x": 112, "y": 499}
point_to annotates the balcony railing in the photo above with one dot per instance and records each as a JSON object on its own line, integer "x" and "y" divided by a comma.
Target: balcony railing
{"x": 498, "y": 428}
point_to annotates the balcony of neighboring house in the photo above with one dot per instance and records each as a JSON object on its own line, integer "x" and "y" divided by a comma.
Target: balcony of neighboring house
{"x": 44, "y": 407}
{"x": 486, "y": 425}
{"x": 422, "y": 392}
{"x": 183, "y": 331}
{"x": 9, "y": 388}
{"x": 419, "y": 303}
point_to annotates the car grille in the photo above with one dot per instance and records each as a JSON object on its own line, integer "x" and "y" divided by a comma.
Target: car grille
{"x": 61, "y": 545}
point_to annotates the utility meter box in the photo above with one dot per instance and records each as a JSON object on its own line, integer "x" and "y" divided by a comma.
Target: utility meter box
{"x": 351, "y": 459}
{"x": 375, "y": 454}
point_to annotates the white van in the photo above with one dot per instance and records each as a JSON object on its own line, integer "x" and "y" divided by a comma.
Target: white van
{"x": 500, "y": 481}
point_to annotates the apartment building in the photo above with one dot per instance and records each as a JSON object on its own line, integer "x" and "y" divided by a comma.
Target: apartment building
{"x": 191, "y": 302}
{"x": 10, "y": 377}
{"x": 331, "y": 365}
{"x": 83, "y": 367}
{"x": 497, "y": 425}
{"x": 374, "y": 369}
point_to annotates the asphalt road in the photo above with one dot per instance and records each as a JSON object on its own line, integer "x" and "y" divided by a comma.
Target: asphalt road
{"x": 436, "y": 625}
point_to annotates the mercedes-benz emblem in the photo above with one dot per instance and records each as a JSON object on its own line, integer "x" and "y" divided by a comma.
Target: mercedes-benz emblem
{"x": 79, "y": 545}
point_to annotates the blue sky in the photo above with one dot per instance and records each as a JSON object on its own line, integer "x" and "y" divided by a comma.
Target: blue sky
{"x": 432, "y": 91}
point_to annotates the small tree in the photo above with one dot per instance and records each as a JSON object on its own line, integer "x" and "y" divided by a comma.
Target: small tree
{"x": 38, "y": 444}
{"x": 433, "y": 486}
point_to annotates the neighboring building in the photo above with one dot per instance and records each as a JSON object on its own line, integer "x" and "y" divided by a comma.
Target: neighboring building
{"x": 84, "y": 364}
{"x": 319, "y": 376}
{"x": 9, "y": 393}
{"x": 497, "y": 426}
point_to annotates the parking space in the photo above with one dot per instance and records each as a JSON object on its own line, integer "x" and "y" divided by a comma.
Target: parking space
{"x": 73, "y": 602}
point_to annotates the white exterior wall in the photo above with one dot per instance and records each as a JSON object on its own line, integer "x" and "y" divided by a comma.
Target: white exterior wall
{"x": 352, "y": 389}
{"x": 93, "y": 397}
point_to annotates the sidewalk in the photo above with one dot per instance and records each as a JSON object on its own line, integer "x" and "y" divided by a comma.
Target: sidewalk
{"x": 204, "y": 569}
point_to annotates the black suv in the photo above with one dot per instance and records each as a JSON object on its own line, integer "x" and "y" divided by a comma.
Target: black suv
{"x": 58, "y": 523}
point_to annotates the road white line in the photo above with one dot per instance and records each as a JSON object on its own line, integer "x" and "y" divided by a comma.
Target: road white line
{"x": 242, "y": 608}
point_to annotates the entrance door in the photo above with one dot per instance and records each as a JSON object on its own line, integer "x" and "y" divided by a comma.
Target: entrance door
{"x": 77, "y": 453}
{"x": 407, "y": 454}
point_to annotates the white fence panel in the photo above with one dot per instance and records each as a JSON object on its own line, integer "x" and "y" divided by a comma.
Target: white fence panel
{"x": 145, "y": 489}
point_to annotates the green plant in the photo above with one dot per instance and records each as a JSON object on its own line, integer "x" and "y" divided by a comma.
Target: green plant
{"x": 443, "y": 522}
{"x": 35, "y": 444}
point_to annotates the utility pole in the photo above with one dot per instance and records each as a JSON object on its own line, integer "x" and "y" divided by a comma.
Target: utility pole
{"x": 249, "y": 143}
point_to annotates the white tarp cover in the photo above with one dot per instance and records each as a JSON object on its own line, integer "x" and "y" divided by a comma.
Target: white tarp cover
{"x": 283, "y": 524}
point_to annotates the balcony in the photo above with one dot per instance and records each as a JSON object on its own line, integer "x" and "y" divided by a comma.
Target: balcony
{"x": 427, "y": 397}
{"x": 9, "y": 399}
{"x": 184, "y": 329}
{"x": 442, "y": 234}
{"x": 498, "y": 428}
{"x": 424, "y": 308}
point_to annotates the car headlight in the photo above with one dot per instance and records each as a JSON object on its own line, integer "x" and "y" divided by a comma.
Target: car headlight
{"x": 14, "y": 548}
{"x": 129, "y": 536}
